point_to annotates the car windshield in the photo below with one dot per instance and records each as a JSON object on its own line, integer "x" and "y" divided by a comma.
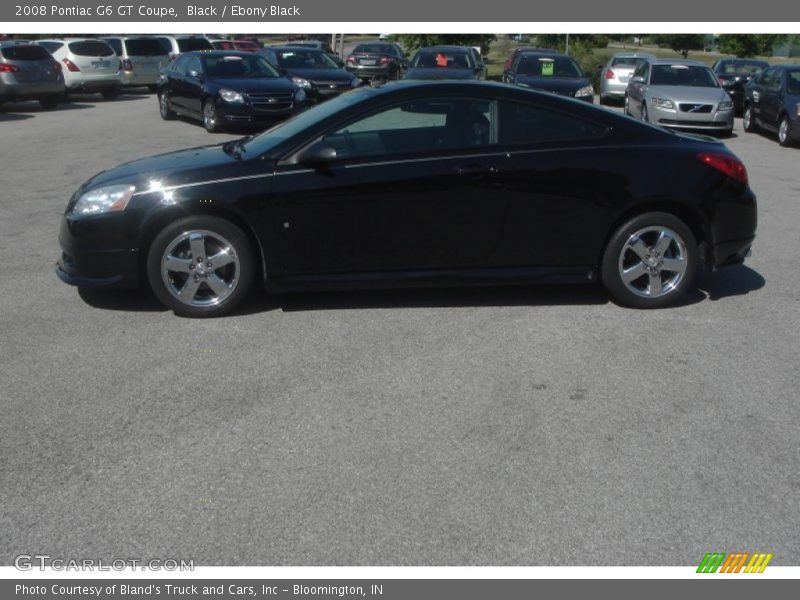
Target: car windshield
{"x": 688, "y": 75}
{"x": 236, "y": 66}
{"x": 302, "y": 58}
{"x": 281, "y": 132}
{"x": 144, "y": 47}
{"x": 741, "y": 68}
{"x": 25, "y": 53}
{"x": 442, "y": 59}
{"x": 191, "y": 44}
{"x": 548, "y": 66}
{"x": 374, "y": 49}
{"x": 627, "y": 62}
{"x": 793, "y": 82}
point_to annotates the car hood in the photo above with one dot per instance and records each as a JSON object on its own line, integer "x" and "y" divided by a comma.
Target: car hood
{"x": 173, "y": 168}
{"x": 687, "y": 93}
{"x": 266, "y": 84}
{"x": 435, "y": 73}
{"x": 553, "y": 84}
{"x": 321, "y": 74}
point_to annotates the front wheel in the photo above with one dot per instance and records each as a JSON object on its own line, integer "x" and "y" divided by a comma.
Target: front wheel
{"x": 644, "y": 116}
{"x": 163, "y": 107}
{"x": 211, "y": 117}
{"x": 748, "y": 120}
{"x": 784, "y": 132}
{"x": 650, "y": 261}
{"x": 201, "y": 266}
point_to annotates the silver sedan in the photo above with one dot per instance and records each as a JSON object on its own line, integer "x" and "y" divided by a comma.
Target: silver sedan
{"x": 681, "y": 94}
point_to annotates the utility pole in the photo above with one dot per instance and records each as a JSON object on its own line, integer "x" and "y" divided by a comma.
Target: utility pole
{"x": 566, "y": 51}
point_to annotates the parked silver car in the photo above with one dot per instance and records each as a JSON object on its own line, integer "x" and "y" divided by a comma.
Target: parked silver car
{"x": 89, "y": 65}
{"x": 683, "y": 94}
{"x": 142, "y": 58}
{"x": 175, "y": 45}
{"x": 28, "y": 72}
{"x": 614, "y": 76}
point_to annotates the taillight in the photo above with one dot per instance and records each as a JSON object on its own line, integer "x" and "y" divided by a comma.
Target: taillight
{"x": 351, "y": 60}
{"x": 71, "y": 66}
{"x": 173, "y": 56}
{"x": 127, "y": 65}
{"x": 384, "y": 60}
{"x": 729, "y": 165}
{"x": 6, "y": 68}
{"x": 610, "y": 74}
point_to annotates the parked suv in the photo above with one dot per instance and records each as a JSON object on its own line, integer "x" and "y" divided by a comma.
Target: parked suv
{"x": 175, "y": 45}
{"x": 772, "y": 102}
{"x": 142, "y": 57}
{"x": 28, "y": 72}
{"x": 89, "y": 65}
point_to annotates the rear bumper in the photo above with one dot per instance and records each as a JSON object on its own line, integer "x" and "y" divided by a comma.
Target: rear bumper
{"x": 30, "y": 91}
{"x": 370, "y": 72}
{"x": 730, "y": 253}
{"x": 132, "y": 78}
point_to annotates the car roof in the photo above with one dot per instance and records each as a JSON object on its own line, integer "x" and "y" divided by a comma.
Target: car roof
{"x": 679, "y": 61}
{"x": 443, "y": 48}
{"x": 294, "y": 48}
{"x": 69, "y": 40}
{"x": 217, "y": 53}
{"x": 549, "y": 55}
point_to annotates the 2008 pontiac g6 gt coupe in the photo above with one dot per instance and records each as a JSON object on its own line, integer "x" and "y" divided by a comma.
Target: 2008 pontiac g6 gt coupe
{"x": 417, "y": 183}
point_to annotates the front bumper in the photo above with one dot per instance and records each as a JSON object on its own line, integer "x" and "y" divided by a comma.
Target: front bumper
{"x": 246, "y": 113}
{"x": 716, "y": 120}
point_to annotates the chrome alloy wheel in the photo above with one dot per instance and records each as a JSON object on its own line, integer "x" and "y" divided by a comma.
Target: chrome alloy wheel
{"x": 653, "y": 262}
{"x": 163, "y": 103}
{"x": 200, "y": 268}
{"x": 783, "y": 131}
{"x": 210, "y": 116}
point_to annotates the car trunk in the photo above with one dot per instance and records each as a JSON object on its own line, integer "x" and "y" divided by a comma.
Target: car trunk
{"x": 146, "y": 55}
{"x": 94, "y": 57}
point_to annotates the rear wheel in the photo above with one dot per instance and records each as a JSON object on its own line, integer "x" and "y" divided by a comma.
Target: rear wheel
{"x": 626, "y": 108}
{"x": 211, "y": 117}
{"x": 784, "y": 132}
{"x": 201, "y": 266}
{"x": 748, "y": 120}
{"x": 650, "y": 261}
{"x": 49, "y": 102}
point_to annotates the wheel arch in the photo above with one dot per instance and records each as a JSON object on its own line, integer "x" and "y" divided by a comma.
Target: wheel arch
{"x": 158, "y": 221}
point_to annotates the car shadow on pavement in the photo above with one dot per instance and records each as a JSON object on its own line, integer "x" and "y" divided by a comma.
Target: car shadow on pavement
{"x": 30, "y": 109}
{"x": 140, "y": 300}
{"x": 731, "y": 281}
{"x": 14, "y": 116}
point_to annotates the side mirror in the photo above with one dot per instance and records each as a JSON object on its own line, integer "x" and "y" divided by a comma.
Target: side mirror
{"x": 195, "y": 74}
{"x": 637, "y": 79}
{"x": 317, "y": 154}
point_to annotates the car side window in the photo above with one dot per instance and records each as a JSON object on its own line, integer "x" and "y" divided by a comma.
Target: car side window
{"x": 417, "y": 127}
{"x": 530, "y": 124}
{"x": 767, "y": 77}
{"x": 179, "y": 66}
{"x": 193, "y": 64}
{"x": 641, "y": 71}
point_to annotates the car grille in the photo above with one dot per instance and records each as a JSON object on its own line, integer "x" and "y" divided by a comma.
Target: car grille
{"x": 696, "y": 108}
{"x": 274, "y": 102}
{"x": 686, "y": 123}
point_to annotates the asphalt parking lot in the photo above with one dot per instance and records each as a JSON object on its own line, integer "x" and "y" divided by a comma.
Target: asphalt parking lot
{"x": 508, "y": 426}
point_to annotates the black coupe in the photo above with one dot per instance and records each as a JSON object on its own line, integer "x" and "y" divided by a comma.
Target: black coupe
{"x": 412, "y": 184}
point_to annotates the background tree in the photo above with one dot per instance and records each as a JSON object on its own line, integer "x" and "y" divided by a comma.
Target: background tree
{"x": 747, "y": 45}
{"x": 681, "y": 42}
{"x": 413, "y": 41}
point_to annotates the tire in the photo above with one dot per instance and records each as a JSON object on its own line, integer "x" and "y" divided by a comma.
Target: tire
{"x": 152, "y": 88}
{"x": 650, "y": 261}
{"x": 110, "y": 94}
{"x": 211, "y": 117}
{"x": 173, "y": 267}
{"x": 49, "y": 102}
{"x": 163, "y": 107}
{"x": 644, "y": 116}
{"x": 626, "y": 108}
{"x": 748, "y": 120}
{"x": 785, "y": 132}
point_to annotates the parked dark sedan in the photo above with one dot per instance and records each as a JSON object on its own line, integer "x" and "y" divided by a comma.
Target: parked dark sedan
{"x": 734, "y": 74}
{"x": 225, "y": 87}
{"x": 550, "y": 72}
{"x": 377, "y": 60}
{"x": 444, "y": 62}
{"x": 312, "y": 70}
{"x": 415, "y": 184}
{"x": 772, "y": 102}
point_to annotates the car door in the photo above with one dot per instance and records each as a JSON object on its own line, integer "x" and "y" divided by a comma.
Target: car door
{"x": 560, "y": 185}
{"x": 174, "y": 74}
{"x": 760, "y": 86}
{"x": 637, "y": 85}
{"x": 193, "y": 84}
{"x": 772, "y": 98}
{"x": 416, "y": 185}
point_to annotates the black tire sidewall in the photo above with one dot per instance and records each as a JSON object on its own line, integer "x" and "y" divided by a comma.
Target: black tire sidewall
{"x": 609, "y": 270}
{"x": 232, "y": 233}
{"x": 752, "y": 127}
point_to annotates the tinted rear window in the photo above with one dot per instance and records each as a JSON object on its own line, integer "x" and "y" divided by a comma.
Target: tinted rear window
{"x": 144, "y": 47}
{"x": 91, "y": 48}
{"x": 627, "y": 62}
{"x": 445, "y": 59}
{"x": 25, "y": 53}
{"x": 116, "y": 44}
{"x": 528, "y": 124}
{"x": 374, "y": 49}
{"x": 679, "y": 74}
{"x": 741, "y": 68}
{"x": 190, "y": 44}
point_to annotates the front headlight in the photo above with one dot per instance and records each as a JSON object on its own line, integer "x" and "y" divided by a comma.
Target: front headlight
{"x": 231, "y": 96}
{"x": 299, "y": 96}
{"x": 111, "y": 198}
{"x": 725, "y": 105}
{"x": 585, "y": 91}
{"x": 663, "y": 103}
{"x": 301, "y": 82}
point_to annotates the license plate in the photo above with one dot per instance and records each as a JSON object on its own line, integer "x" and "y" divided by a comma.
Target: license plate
{"x": 101, "y": 64}
{"x": 368, "y": 61}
